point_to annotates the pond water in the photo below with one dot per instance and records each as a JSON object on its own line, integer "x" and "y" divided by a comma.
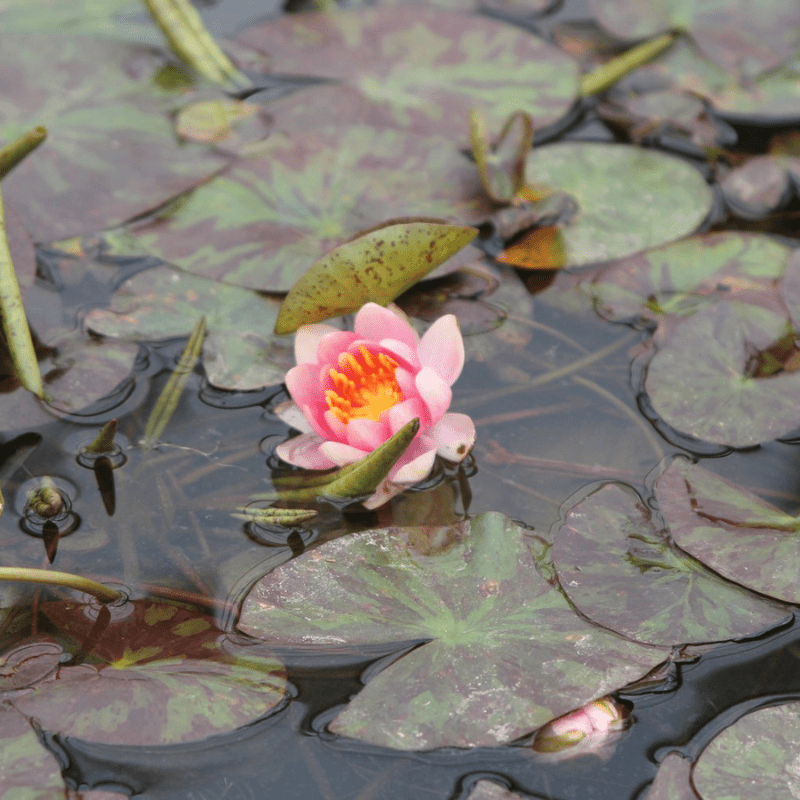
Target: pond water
{"x": 571, "y": 401}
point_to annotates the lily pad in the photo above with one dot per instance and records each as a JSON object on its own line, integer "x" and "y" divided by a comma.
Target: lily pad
{"x": 759, "y": 752}
{"x": 163, "y": 677}
{"x": 622, "y": 572}
{"x": 110, "y": 154}
{"x": 429, "y": 68}
{"x": 673, "y": 781}
{"x": 504, "y": 651}
{"x": 629, "y": 199}
{"x": 240, "y": 351}
{"x": 705, "y": 378}
{"x": 27, "y": 770}
{"x": 731, "y": 530}
{"x": 680, "y": 278}
{"x": 263, "y": 222}
{"x": 758, "y": 187}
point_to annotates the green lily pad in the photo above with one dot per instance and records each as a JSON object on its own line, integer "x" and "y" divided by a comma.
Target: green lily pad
{"x": 427, "y": 69}
{"x": 731, "y": 530}
{"x": 163, "y": 677}
{"x": 265, "y": 221}
{"x": 680, "y": 278}
{"x": 240, "y": 351}
{"x": 27, "y": 770}
{"x": 629, "y": 199}
{"x": 111, "y": 153}
{"x": 707, "y": 376}
{"x": 727, "y": 32}
{"x": 622, "y": 572}
{"x": 504, "y": 651}
{"x": 673, "y": 781}
{"x": 758, "y": 752}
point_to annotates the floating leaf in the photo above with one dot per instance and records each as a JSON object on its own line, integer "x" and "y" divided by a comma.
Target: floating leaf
{"x": 622, "y": 572}
{"x": 375, "y": 267}
{"x": 680, "y": 278}
{"x": 505, "y": 653}
{"x": 728, "y": 33}
{"x": 274, "y": 216}
{"x": 541, "y": 248}
{"x": 703, "y": 378}
{"x": 240, "y": 350}
{"x": 760, "y": 186}
{"x": 427, "y": 69}
{"x": 629, "y": 199}
{"x": 225, "y": 122}
{"x": 759, "y": 752}
{"x": 731, "y": 530}
{"x": 673, "y": 781}
{"x": 101, "y": 123}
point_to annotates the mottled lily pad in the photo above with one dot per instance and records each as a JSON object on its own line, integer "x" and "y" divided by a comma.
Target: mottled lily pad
{"x": 110, "y": 154}
{"x": 505, "y": 652}
{"x": 680, "y": 278}
{"x": 629, "y": 199}
{"x": 429, "y": 68}
{"x": 758, "y": 752}
{"x": 709, "y": 378}
{"x": 622, "y": 572}
{"x": 240, "y": 351}
{"x": 163, "y": 677}
{"x": 728, "y": 33}
{"x": 27, "y": 770}
{"x": 731, "y": 530}
{"x": 265, "y": 221}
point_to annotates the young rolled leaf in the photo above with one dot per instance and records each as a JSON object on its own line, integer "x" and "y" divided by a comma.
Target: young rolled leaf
{"x": 190, "y": 41}
{"x": 104, "y": 443}
{"x": 376, "y": 267}
{"x": 15, "y": 151}
{"x": 361, "y": 478}
{"x": 502, "y": 167}
{"x": 15, "y": 325}
{"x": 168, "y": 399}
{"x": 285, "y": 517}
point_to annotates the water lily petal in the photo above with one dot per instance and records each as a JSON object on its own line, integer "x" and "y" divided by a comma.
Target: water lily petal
{"x": 401, "y": 352}
{"x": 421, "y": 454}
{"x": 332, "y": 344}
{"x": 454, "y": 435}
{"x": 406, "y": 380}
{"x": 338, "y": 428}
{"x": 434, "y": 391}
{"x": 342, "y": 454}
{"x": 367, "y": 434}
{"x": 442, "y": 349}
{"x": 305, "y": 451}
{"x": 374, "y": 322}
{"x": 307, "y": 341}
{"x": 404, "y": 412}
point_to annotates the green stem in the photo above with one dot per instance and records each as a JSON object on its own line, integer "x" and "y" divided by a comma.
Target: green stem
{"x": 190, "y": 40}
{"x": 15, "y": 324}
{"x": 15, "y": 151}
{"x": 50, "y": 578}
{"x": 598, "y": 81}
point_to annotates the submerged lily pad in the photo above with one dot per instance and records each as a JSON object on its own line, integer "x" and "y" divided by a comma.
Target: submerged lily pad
{"x": 680, "y": 278}
{"x": 163, "y": 677}
{"x": 110, "y": 153}
{"x": 629, "y": 199}
{"x": 758, "y": 752}
{"x": 731, "y": 530}
{"x": 707, "y": 377}
{"x": 622, "y": 572}
{"x": 504, "y": 650}
{"x": 728, "y": 33}
{"x": 240, "y": 351}
{"x": 265, "y": 221}
{"x": 427, "y": 69}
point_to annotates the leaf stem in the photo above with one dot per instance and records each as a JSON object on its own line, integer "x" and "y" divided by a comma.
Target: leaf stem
{"x": 51, "y": 578}
{"x": 607, "y": 75}
{"x": 15, "y": 151}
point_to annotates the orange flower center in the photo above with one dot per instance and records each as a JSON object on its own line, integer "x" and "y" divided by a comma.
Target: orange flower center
{"x": 365, "y": 386}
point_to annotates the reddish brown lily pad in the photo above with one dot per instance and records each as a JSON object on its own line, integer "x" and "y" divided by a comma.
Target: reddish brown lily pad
{"x": 111, "y": 152}
{"x": 427, "y": 68}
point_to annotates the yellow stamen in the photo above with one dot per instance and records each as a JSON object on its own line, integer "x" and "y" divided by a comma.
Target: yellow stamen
{"x": 364, "y": 386}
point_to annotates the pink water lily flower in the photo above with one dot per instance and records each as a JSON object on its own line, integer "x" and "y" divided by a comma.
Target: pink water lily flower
{"x": 357, "y": 389}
